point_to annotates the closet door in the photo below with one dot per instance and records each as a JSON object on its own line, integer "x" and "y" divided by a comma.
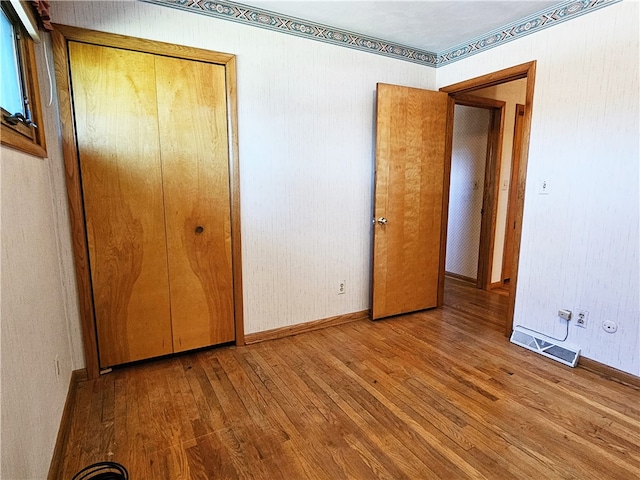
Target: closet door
{"x": 192, "y": 118}
{"x": 114, "y": 95}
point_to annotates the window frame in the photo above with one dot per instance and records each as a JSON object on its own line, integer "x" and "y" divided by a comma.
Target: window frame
{"x": 28, "y": 139}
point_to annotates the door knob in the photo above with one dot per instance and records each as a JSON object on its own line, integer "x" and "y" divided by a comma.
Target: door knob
{"x": 382, "y": 221}
{"x": 199, "y": 230}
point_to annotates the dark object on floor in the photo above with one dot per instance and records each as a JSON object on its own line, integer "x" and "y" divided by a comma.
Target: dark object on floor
{"x": 102, "y": 471}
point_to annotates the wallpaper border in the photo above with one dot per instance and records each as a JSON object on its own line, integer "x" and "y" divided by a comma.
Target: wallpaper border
{"x": 536, "y": 22}
{"x": 257, "y": 17}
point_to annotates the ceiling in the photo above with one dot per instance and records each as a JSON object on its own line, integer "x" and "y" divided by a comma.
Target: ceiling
{"x": 428, "y": 25}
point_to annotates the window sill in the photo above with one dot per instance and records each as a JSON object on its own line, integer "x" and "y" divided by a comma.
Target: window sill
{"x": 11, "y": 138}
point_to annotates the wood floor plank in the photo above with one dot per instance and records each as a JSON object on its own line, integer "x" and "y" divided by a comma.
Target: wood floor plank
{"x": 397, "y": 422}
{"x": 438, "y": 394}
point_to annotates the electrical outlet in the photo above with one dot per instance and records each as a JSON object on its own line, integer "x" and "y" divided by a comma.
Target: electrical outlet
{"x": 581, "y": 318}
{"x": 609, "y": 326}
{"x": 342, "y": 287}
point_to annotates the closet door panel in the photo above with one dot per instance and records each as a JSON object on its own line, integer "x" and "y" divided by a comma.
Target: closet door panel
{"x": 115, "y": 110}
{"x": 192, "y": 118}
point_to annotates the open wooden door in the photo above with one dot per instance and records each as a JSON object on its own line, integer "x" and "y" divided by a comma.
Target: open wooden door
{"x": 411, "y": 184}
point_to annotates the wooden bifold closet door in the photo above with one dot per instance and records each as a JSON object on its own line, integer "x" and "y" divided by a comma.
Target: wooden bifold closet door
{"x": 152, "y": 143}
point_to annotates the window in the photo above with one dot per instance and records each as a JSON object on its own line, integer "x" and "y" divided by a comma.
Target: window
{"x": 21, "y": 116}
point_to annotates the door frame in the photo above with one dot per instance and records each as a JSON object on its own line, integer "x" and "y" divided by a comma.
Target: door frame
{"x": 61, "y": 35}
{"x": 528, "y": 71}
{"x": 515, "y": 162}
{"x": 491, "y": 181}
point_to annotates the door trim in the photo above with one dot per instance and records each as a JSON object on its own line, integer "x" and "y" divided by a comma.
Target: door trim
{"x": 528, "y": 71}
{"x": 61, "y": 36}
{"x": 515, "y": 162}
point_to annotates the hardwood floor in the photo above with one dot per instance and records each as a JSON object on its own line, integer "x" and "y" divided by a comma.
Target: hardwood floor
{"x": 436, "y": 394}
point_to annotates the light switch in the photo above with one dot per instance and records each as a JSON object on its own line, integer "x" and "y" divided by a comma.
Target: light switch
{"x": 544, "y": 187}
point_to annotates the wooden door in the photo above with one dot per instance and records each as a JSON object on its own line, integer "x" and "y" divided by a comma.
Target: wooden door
{"x": 411, "y": 147}
{"x": 114, "y": 95}
{"x": 192, "y": 116}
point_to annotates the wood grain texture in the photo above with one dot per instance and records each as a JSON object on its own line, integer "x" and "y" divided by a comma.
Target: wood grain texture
{"x": 528, "y": 71}
{"x": 195, "y": 170}
{"x": 30, "y": 140}
{"x": 307, "y": 175}
{"x": 74, "y": 190}
{"x": 494, "y": 78}
{"x": 141, "y": 44}
{"x": 234, "y": 186}
{"x": 490, "y": 194}
{"x": 491, "y": 180}
{"x": 507, "y": 258}
{"x": 451, "y": 105}
{"x": 62, "y": 439}
{"x": 411, "y": 129}
{"x": 305, "y": 327}
{"x": 75, "y": 203}
{"x": 434, "y": 394}
{"x": 609, "y": 373}
{"x": 511, "y": 93}
{"x": 116, "y": 122}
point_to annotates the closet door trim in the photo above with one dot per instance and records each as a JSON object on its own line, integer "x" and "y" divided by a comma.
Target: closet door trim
{"x": 61, "y": 35}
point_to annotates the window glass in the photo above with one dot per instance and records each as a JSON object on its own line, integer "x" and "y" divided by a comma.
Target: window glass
{"x": 11, "y": 95}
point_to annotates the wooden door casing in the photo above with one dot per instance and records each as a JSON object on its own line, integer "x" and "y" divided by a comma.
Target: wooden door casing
{"x": 411, "y": 148}
{"x": 527, "y": 71}
{"x": 116, "y": 128}
{"x": 61, "y": 36}
{"x": 195, "y": 163}
{"x": 155, "y": 170}
{"x": 510, "y": 227}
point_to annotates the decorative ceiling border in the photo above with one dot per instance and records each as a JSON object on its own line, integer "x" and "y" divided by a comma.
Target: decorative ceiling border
{"x": 546, "y": 18}
{"x": 257, "y": 17}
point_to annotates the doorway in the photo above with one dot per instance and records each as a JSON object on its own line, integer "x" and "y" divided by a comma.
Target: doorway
{"x": 521, "y": 79}
{"x": 476, "y": 157}
{"x": 414, "y": 133}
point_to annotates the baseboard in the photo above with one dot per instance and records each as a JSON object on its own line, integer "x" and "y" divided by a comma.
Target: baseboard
{"x": 305, "y": 327}
{"x": 77, "y": 376}
{"x": 609, "y": 372}
{"x": 461, "y": 277}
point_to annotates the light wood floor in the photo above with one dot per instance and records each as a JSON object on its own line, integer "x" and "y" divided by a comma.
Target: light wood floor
{"x": 437, "y": 394}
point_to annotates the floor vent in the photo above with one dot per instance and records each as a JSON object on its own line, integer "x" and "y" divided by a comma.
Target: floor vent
{"x": 537, "y": 343}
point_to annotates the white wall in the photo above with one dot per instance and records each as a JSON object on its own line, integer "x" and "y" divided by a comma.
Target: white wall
{"x": 39, "y": 303}
{"x": 580, "y": 244}
{"x": 468, "y": 159}
{"x": 306, "y": 116}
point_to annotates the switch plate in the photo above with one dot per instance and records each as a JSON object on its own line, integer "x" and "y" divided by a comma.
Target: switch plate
{"x": 544, "y": 188}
